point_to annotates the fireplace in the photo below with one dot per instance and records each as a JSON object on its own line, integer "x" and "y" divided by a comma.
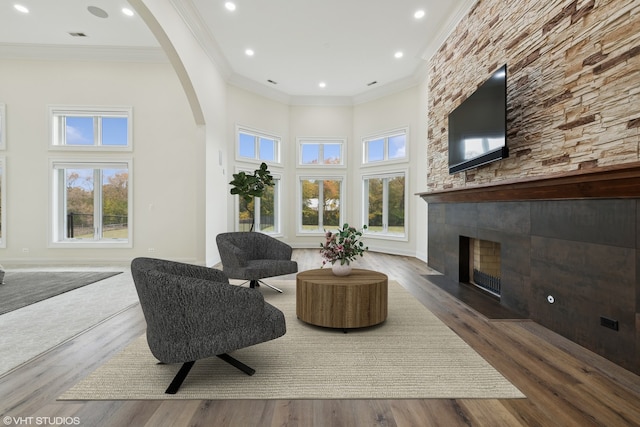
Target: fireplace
{"x": 480, "y": 264}
{"x": 573, "y": 236}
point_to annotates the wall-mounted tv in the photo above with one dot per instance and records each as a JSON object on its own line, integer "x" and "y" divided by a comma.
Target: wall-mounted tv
{"x": 478, "y": 126}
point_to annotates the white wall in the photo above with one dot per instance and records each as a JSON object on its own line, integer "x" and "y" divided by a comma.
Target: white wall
{"x": 420, "y": 175}
{"x": 351, "y": 122}
{"x": 167, "y": 157}
{"x": 211, "y": 91}
{"x": 322, "y": 121}
{"x": 247, "y": 109}
{"x": 181, "y": 170}
{"x": 384, "y": 114}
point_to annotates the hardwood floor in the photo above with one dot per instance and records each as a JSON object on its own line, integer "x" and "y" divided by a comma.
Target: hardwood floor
{"x": 565, "y": 384}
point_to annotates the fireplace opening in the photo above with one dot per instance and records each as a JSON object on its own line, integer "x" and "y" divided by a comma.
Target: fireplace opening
{"x": 480, "y": 264}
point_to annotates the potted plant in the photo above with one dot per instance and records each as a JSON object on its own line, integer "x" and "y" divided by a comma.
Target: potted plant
{"x": 251, "y": 186}
{"x": 341, "y": 248}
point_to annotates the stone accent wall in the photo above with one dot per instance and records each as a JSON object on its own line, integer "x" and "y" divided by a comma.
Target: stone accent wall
{"x": 573, "y": 85}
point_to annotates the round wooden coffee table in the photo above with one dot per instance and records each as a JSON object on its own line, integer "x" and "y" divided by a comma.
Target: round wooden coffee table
{"x": 354, "y": 301}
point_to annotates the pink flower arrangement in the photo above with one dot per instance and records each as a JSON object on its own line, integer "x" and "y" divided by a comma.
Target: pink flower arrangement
{"x": 344, "y": 245}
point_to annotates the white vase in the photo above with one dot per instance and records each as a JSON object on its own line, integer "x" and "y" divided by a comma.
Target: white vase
{"x": 341, "y": 269}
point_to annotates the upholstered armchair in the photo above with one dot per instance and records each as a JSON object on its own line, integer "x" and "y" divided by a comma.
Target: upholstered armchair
{"x": 253, "y": 256}
{"x": 193, "y": 313}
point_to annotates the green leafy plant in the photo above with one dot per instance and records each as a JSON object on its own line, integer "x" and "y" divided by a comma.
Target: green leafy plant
{"x": 250, "y": 186}
{"x": 344, "y": 245}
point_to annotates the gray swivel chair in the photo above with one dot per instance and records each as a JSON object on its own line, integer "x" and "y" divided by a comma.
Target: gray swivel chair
{"x": 252, "y": 256}
{"x": 193, "y": 313}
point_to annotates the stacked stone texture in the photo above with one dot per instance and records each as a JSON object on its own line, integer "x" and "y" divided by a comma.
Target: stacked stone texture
{"x": 573, "y": 94}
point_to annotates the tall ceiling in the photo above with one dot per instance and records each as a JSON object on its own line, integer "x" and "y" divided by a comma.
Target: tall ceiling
{"x": 349, "y": 45}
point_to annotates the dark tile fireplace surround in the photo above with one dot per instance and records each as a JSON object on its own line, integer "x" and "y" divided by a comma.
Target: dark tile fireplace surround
{"x": 570, "y": 251}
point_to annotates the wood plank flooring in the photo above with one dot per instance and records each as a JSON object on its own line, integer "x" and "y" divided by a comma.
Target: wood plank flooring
{"x": 565, "y": 384}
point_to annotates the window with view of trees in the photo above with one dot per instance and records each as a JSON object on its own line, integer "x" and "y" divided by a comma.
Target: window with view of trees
{"x": 321, "y": 152}
{"x": 262, "y": 212}
{"x": 105, "y": 128}
{"x": 385, "y": 204}
{"x": 91, "y": 202}
{"x": 321, "y": 203}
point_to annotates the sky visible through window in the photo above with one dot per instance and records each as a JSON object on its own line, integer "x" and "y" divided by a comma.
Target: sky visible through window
{"x": 395, "y": 148}
{"x": 311, "y": 153}
{"x": 266, "y": 147}
{"x": 83, "y": 178}
{"x": 376, "y": 150}
{"x": 80, "y": 131}
{"x": 247, "y": 146}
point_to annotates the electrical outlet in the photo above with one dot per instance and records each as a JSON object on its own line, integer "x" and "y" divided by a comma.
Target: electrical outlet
{"x": 609, "y": 323}
{"x": 25, "y": 250}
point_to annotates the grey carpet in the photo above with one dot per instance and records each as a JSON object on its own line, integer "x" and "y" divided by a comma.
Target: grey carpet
{"x": 411, "y": 355}
{"x": 21, "y": 289}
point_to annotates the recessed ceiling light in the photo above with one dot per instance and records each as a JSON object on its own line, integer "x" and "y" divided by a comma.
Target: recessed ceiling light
{"x": 419, "y": 14}
{"x": 20, "y": 8}
{"x": 322, "y": 85}
{"x": 96, "y": 11}
{"x": 249, "y": 52}
{"x": 398, "y": 54}
{"x": 127, "y": 11}
{"x": 231, "y": 6}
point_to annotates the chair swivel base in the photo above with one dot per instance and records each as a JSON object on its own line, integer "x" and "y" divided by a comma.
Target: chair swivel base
{"x": 186, "y": 367}
{"x": 256, "y": 283}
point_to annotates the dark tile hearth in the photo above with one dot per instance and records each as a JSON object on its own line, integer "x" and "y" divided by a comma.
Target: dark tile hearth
{"x": 478, "y": 300}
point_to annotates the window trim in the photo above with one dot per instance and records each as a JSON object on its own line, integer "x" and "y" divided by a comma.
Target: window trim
{"x": 300, "y": 141}
{"x": 56, "y": 111}
{"x": 365, "y": 204}
{"x": 343, "y": 188}
{"x": 257, "y": 133}
{"x": 386, "y": 135}
{"x": 56, "y": 223}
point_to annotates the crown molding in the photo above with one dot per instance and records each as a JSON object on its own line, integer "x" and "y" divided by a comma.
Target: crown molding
{"x": 448, "y": 28}
{"x": 191, "y": 18}
{"x": 386, "y": 90}
{"x": 253, "y": 86}
{"x": 81, "y": 53}
{"x": 329, "y": 101}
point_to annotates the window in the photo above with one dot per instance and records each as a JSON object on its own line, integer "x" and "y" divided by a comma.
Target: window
{"x": 3, "y": 204}
{"x": 321, "y": 204}
{"x": 321, "y": 152}
{"x": 91, "y": 203}
{"x": 385, "y": 148}
{"x": 385, "y": 204}
{"x": 262, "y": 212}
{"x": 103, "y": 128}
{"x": 253, "y": 145}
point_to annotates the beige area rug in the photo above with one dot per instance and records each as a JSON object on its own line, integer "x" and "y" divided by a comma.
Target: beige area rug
{"x": 411, "y": 355}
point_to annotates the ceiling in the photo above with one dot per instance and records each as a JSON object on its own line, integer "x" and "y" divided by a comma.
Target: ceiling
{"x": 347, "y": 44}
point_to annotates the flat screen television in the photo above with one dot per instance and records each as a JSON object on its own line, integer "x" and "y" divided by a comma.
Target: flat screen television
{"x": 478, "y": 126}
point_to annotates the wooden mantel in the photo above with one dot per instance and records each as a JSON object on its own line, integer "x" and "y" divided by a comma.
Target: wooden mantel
{"x": 610, "y": 182}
